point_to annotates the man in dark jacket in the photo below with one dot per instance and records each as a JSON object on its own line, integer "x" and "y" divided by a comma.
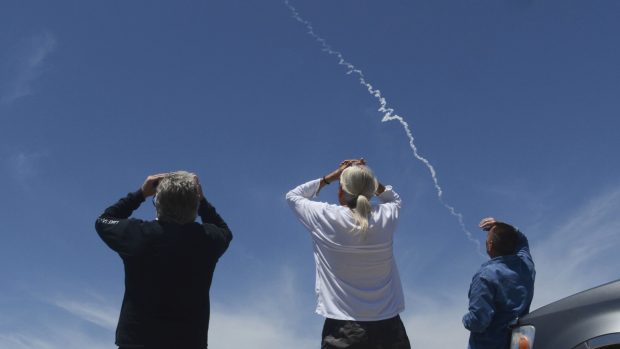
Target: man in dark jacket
{"x": 169, "y": 262}
{"x": 502, "y": 289}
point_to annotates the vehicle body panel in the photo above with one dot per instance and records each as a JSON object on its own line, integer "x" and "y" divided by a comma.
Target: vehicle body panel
{"x": 571, "y": 321}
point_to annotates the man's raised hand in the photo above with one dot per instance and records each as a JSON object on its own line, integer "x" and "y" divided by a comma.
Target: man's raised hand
{"x": 150, "y": 184}
{"x": 487, "y": 223}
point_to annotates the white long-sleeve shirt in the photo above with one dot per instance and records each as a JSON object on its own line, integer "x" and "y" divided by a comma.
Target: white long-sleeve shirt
{"x": 356, "y": 278}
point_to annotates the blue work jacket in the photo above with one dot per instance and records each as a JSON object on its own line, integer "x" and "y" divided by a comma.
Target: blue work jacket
{"x": 500, "y": 291}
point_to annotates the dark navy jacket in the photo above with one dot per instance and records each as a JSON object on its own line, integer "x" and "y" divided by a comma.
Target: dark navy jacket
{"x": 501, "y": 291}
{"x": 168, "y": 273}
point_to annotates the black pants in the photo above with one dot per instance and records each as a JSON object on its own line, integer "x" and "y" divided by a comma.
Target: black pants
{"x": 383, "y": 334}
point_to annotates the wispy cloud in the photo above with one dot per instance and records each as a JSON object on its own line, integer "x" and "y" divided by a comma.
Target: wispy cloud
{"x": 104, "y": 315}
{"x": 581, "y": 252}
{"x": 273, "y": 318}
{"x": 60, "y": 324}
{"x": 23, "y": 341}
{"x": 54, "y": 336}
{"x": 24, "y": 166}
{"x": 24, "y": 66}
{"x": 434, "y": 321}
{"x": 249, "y": 329}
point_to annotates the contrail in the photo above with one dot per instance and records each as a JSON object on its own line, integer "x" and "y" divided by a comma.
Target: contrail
{"x": 388, "y": 115}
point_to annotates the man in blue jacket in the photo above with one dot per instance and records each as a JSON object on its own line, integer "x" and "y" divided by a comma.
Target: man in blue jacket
{"x": 502, "y": 289}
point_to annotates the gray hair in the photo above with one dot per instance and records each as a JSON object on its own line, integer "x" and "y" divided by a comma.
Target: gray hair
{"x": 359, "y": 185}
{"x": 177, "y": 197}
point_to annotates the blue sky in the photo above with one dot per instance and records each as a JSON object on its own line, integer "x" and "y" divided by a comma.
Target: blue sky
{"x": 514, "y": 103}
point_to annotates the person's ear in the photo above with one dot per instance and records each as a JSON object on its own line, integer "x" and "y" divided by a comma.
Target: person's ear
{"x": 489, "y": 241}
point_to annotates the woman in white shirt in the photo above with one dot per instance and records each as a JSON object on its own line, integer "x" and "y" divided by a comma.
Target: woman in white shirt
{"x": 357, "y": 283}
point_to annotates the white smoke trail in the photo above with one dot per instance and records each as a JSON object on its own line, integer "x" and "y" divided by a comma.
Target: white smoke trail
{"x": 388, "y": 115}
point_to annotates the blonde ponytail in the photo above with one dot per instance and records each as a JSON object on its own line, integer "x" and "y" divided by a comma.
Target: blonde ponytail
{"x": 359, "y": 185}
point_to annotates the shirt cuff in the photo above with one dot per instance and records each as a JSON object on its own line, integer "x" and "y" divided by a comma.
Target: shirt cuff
{"x": 387, "y": 195}
{"x": 314, "y": 187}
{"x": 138, "y": 195}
